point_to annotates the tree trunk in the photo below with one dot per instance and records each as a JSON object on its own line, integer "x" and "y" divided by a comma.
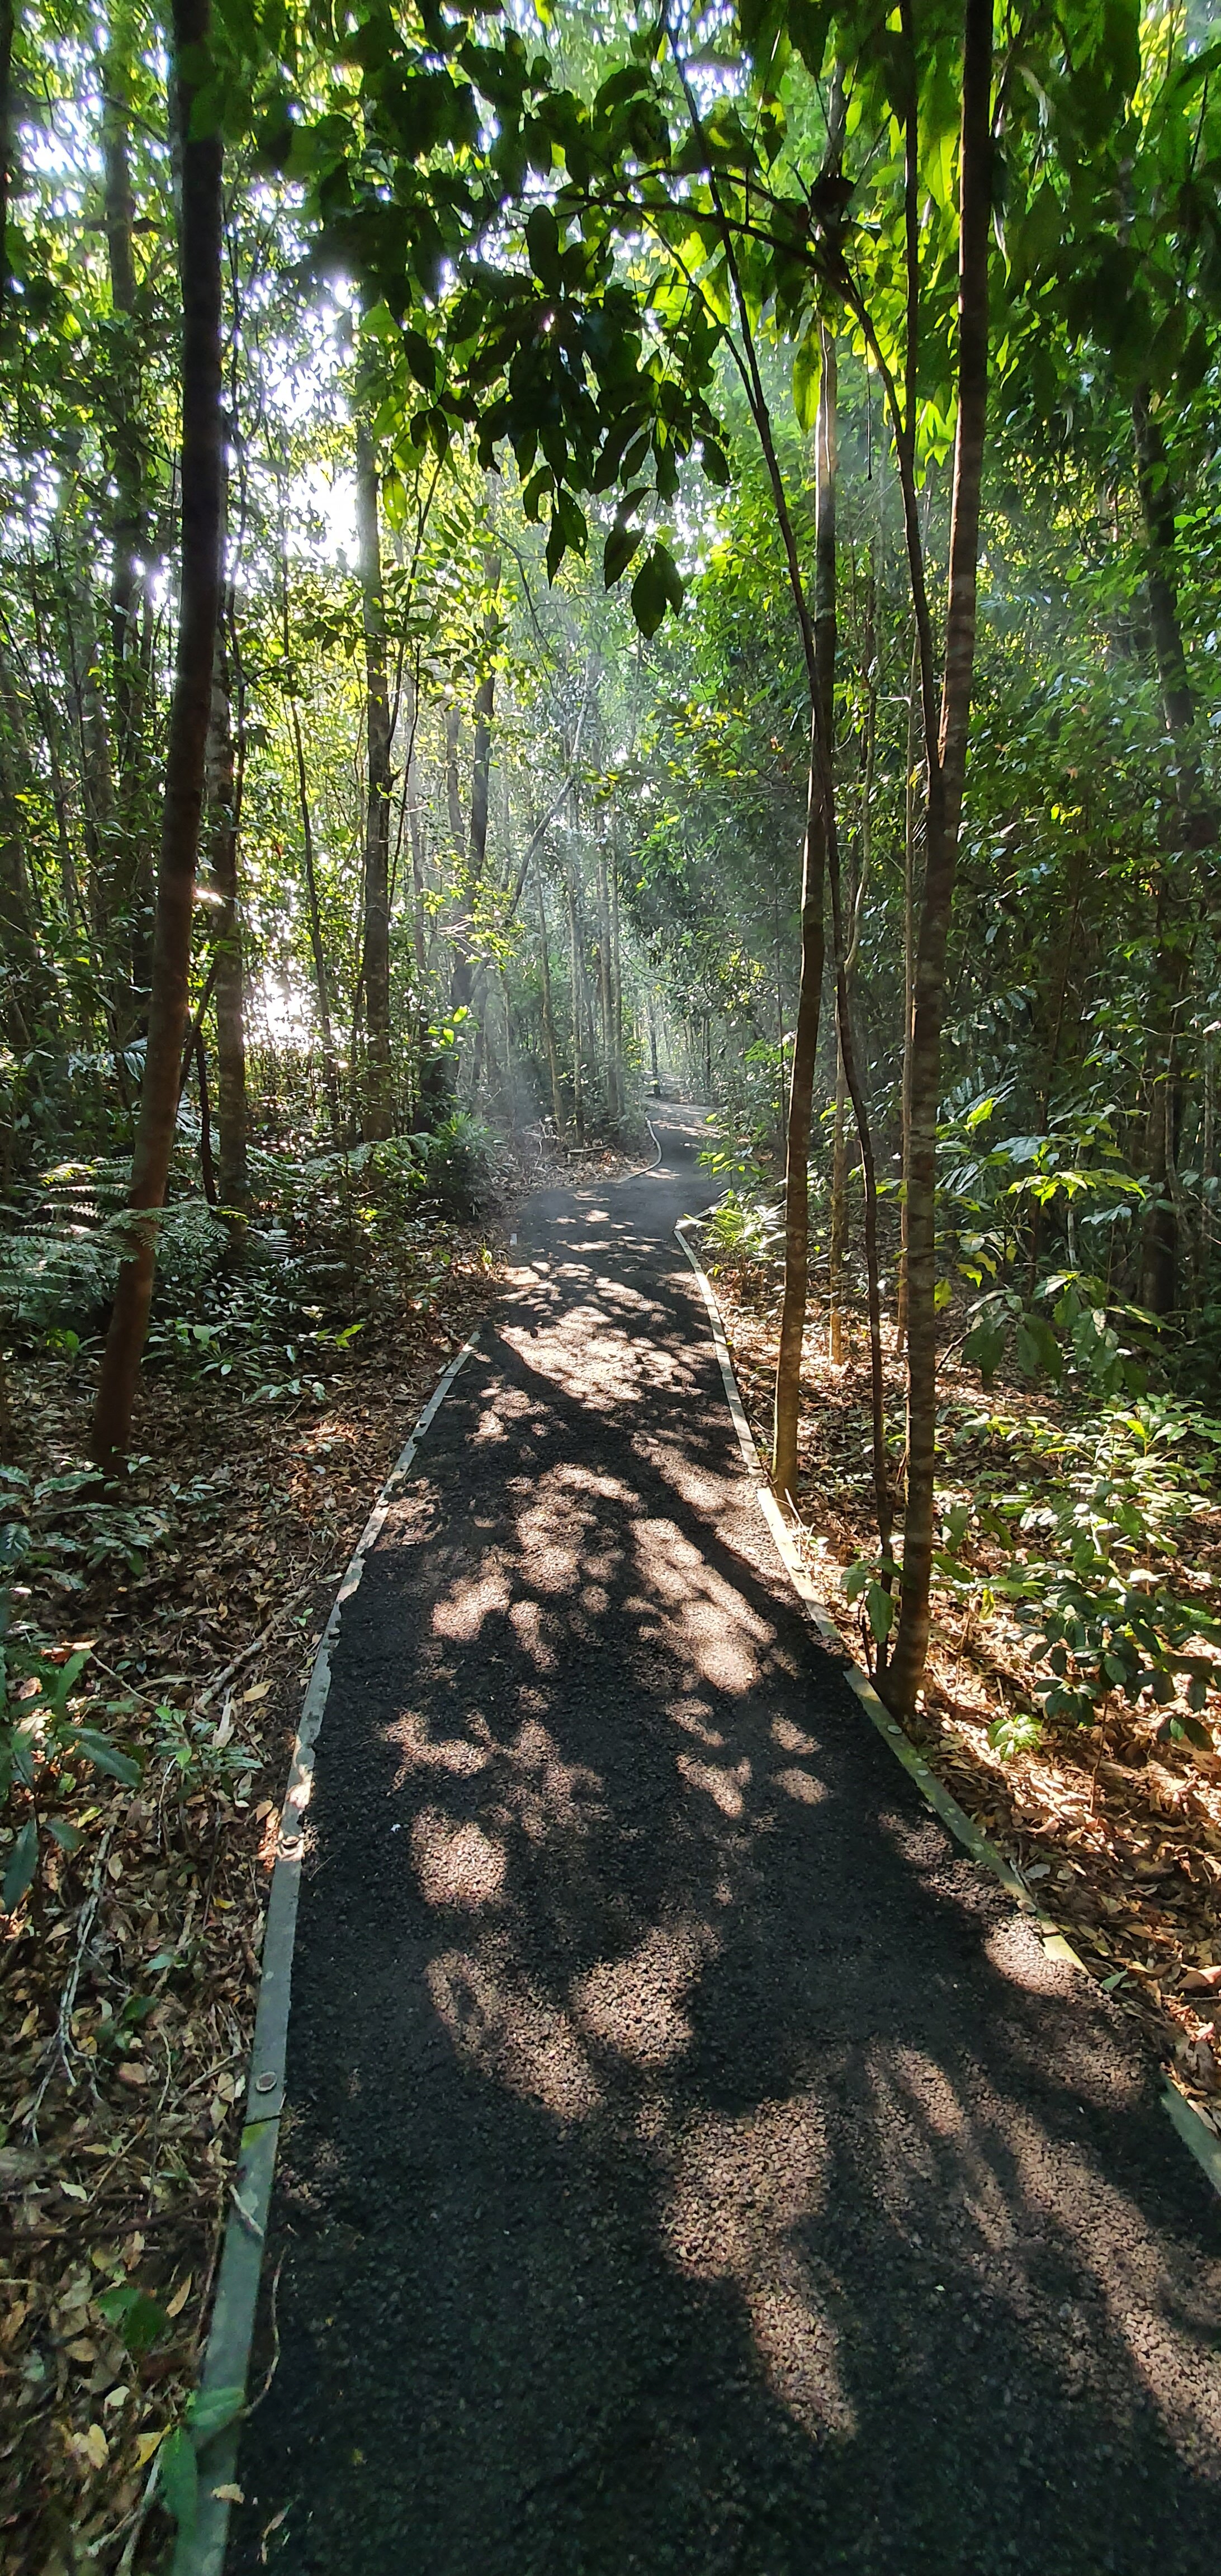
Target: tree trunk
{"x": 199, "y": 222}
{"x": 224, "y": 800}
{"x": 557, "y": 1098}
{"x": 26, "y": 988}
{"x": 574, "y": 957}
{"x": 909, "y": 982}
{"x": 313, "y": 909}
{"x": 7, "y": 144}
{"x": 839, "y": 1214}
{"x": 1160, "y": 1250}
{"x": 606, "y": 1000}
{"x": 379, "y": 1082}
{"x": 129, "y": 888}
{"x": 947, "y": 769}
{"x": 477, "y": 846}
{"x": 787, "y": 1400}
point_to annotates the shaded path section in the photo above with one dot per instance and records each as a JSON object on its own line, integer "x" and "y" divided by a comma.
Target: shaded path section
{"x": 691, "y": 2162}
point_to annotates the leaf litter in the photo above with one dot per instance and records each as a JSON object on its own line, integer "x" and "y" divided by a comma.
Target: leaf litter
{"x": 129, "y": 1971}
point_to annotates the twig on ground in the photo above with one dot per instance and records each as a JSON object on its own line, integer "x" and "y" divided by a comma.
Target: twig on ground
{"x": 219, "y": 1679}
{"x": 274, "y": 2363}
{"x": 63, "y": 2044}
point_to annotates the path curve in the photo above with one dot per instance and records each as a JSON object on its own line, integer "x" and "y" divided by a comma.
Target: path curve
{"x": 691, "y": 2161}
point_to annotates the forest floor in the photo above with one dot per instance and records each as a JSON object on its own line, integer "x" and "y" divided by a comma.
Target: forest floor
{"x": 129, "y": 1974}
{"x": 1119, "y": 1835}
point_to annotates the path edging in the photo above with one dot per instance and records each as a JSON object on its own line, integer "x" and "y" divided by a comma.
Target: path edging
{"x": 1195, "y": 2133}
{"x": 220, "y": 2401}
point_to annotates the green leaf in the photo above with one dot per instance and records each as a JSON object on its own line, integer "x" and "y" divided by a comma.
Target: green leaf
{"x": 106, "y": 1756}
{"x": 658, "y": 585}
{"x": 543, "y": 246}
{"x": 984, "y": 1347}
{"x": 22, "y": 1863}
{"x": 1035, "y": 1349}
{"x": 880, "y": 1610}
{"x": 178, "y": 2480}
{"x": 807, "y": 379}
{"x": 212, "y": 2410}
{"x": 138, "y": 2320}
{"x": 621, "y": 545}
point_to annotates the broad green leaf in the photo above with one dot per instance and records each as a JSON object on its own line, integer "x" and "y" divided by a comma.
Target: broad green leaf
{"x": 137, "y": 2318}
{"x": 106, "y": 1756}
{"x": 807, "y": 379}
{"x": 178, "y": 2480}
{"x": 621, "y": 545}
{"x": 211, "y": 2410}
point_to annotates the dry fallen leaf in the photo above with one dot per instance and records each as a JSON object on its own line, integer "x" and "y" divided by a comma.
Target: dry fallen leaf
{"x": 228, "y": 2495}
{"x": 148, "y": 2443}
{"x": 175, "y": 2306}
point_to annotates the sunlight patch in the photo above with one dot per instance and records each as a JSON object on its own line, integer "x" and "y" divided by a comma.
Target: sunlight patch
{"x": 801, "y": 1785}
{"x": 456, "y": 1864}
{"x": 741, "y": 2188}
{"x": 513, "y": 2034}
{"x": 723, "y": 1786}
{"x": 632, "y": 2004}
{"x": 460, "y": 1614}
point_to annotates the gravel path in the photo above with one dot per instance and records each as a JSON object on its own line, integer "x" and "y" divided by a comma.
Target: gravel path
{"x": 692, "y": 2163}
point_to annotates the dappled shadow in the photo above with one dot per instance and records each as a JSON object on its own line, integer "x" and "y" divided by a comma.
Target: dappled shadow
{"x": 693, "y": 2164}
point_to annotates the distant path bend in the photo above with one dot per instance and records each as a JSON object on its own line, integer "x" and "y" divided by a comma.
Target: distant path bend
{"x": 691, "y": 2162}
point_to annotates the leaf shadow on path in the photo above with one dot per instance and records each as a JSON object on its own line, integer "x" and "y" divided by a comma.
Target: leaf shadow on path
{"x": 693, "y": 2163}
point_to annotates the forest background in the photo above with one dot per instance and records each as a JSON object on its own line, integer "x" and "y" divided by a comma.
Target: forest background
{"x": 547, "y": 557}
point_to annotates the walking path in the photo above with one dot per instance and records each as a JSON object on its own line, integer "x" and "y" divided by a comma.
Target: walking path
{"x": 692, "y": 2163}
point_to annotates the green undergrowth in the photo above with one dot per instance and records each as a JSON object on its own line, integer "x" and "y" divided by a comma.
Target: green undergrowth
{"x": 1079, "y": 1504}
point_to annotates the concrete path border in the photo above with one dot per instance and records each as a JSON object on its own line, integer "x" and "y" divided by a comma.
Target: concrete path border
{"x": 1195, "y": 2133}
{"x": 220, "y": 2401}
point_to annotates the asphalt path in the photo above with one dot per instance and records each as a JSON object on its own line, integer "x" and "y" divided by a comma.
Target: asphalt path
{"x": 692, "y": 2163}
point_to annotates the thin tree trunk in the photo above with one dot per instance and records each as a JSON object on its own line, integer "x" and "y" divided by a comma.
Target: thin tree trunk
{"x": 1197, "y": 832}
{"x": 839, "y": 1214}
{"x": 909, "y": 984}
{"x": 839, "y": 1151}
{"x": 200, "y": 222}
{"x": 477, "y": 845}
{"x": 606, "y": 990}
{"x": 617, "y": 978}
{"x": 129, "y": 888}
{"x": 787, "y": 1399}
{"x": 224, "y": 799}
{"x": 313, "y": 910}
{"x": 7, "y": 143}
{"x": 557, "y": 1098}
{"x": 207, "y": 1163}
{"x": 947, "y": 769}
{"x": 845, "y": 943}
{"x": 574, "y": 955}
{"x": 379, "y": 1093}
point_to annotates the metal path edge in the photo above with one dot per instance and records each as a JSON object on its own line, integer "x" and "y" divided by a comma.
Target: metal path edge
{"x": 221, "y": 2396}
{"x": 1197, "y": 2137}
